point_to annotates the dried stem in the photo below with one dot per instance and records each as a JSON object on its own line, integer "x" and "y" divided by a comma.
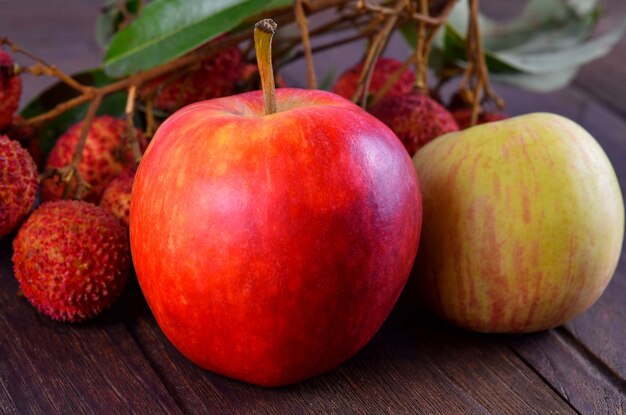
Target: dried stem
{"x": 393, "y": 78}
{"x": 329, "y": 45}
{"x": 475, "y": 87}
{"x": 144, "y": 76}
{"x": 150, "y": 121}
{"x": 131, "y": 132}
{"x": 42, "y": 68}
{"x": 375, "y": 49}
{"x": 263, "y": 33}
{"x": 303, "y": 24}
{"x": 386, "y": 11}
{"x": 421, "y": 60}
{"x": 84, "y": 130}
{"x": 71, "y": 172}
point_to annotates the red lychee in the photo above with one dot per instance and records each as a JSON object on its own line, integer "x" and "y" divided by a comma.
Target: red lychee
{"x": 10, "y": 90}
{"x": 347, "y": 82}
{"x": 463, "y": 117}
{"x": 104, "y": 156}
{"x": 18, "y": 184}
{"x": 116, "y": 197}
{"x": 27, "y": 137}
{"x": 415, "y": 118}
{"x": 215, "y": 77}
{"x": 71, "y": 259}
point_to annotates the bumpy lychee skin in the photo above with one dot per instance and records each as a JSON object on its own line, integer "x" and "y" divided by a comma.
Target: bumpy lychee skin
{"x": 10, "y": 90}
{"x": 415, "y": 118}
{"x": 27, "y": 137}
{"x": 463, "y": 117}
{"x": 347, "y": 82}
{"x": 116, "y": 197}
{"x": 71, "y": 259}
{"x": 103, "y": 157}
{"x": 18, "y": 184}
{"x": 216, "y": 77}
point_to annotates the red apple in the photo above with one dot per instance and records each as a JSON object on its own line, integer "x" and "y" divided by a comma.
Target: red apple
{"x": 271, "y": 248}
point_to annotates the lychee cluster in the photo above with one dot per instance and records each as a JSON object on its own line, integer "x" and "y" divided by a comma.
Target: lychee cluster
{"x": 412, "y": 115}
{"x": 215, "y": 77}
{"x": 71, "y": 259}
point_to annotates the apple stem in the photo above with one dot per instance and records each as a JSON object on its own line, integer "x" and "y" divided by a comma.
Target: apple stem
{"x": 263, "y": 32}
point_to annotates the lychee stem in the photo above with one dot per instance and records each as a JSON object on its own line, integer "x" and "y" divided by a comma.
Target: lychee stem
{"x": 306, "y": 43}
{"x": 131, "y": 133}
{"x": 263, "y": 32}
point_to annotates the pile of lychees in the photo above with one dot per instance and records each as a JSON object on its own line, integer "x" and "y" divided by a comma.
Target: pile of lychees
{"x": 71, "y": 257}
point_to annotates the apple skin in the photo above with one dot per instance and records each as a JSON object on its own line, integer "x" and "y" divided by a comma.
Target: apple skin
{"x": 272, "y": 248}
{"x": 523, "y": 224}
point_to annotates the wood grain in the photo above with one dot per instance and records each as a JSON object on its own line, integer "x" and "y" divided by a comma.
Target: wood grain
{"x": 572, "y": 371}
{"x": 48, "y": 367}
{"x": 416, "y": 365}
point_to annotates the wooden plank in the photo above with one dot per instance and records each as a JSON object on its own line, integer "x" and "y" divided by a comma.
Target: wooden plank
{"x": 417, "y": 366}
{"x": 48, "y": 367}
{"x": 573, "y": 372}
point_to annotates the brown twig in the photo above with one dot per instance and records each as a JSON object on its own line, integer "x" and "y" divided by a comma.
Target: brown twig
{"x": 150, "y": 120}
{"x": 67, "y": 174}
{"x": 376, "y": 48}
{"x": 386, "y": 11}
{"x": 131, "y": 132}
{"x": 144, "y": 76}
{"x": 475, "y": 87}
{"x": 300, "y": 54}
{"x": 40, "y": 69}
{"x": 421, "y": 60}
{"x": 303, "y": 24}
{"x": 43, "y": 68}
{"x": 393, "y": 78}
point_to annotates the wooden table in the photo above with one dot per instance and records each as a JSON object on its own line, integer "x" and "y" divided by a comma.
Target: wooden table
{"x": 122, "y": 363}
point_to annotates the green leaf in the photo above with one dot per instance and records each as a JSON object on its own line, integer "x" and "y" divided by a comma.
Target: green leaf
{"x": 549, "y": 59}
{"x": 113, "y": 104}
{"x": 544, "y": 23}
{"x": 277, "y": 4}
{"x": 168, "y": 29}
{"x": 541, "y": 50}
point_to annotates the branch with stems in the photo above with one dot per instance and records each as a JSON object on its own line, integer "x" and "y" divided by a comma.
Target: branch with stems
{"x": 373, "y": 21}
{"x": 475, "y": 87}
{"x": 303, "y": 24}
{"x": 423, "y": 51}
{"x": 375, "y": 50}
{"x": 70, "y": 173}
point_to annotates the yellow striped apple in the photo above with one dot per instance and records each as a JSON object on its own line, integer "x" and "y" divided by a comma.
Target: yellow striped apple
{"x": 523, "y": 224}
{"x": 273, "y": 232}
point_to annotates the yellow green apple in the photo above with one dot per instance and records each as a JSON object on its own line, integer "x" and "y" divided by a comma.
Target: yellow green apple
{"x": 523, "y": 224}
